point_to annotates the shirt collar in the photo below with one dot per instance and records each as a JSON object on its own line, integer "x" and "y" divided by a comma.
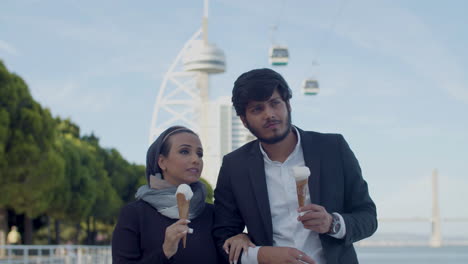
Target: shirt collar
{"x": 293, "y": 153}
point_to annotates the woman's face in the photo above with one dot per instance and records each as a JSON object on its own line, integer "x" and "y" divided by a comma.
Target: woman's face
{"x": 184, "y": 162}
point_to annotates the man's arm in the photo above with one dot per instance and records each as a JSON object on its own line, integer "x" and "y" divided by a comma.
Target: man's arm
{"x": 281, "y": 255}
{"x": 360, "y": 215}
{"x": 227, "y": 221}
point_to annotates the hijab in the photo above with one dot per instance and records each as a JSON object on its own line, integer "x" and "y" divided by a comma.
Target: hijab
{"x": 158, "y": 192}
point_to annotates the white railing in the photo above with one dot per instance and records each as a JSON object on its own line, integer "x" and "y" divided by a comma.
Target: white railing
{"x": 55, "y": 254}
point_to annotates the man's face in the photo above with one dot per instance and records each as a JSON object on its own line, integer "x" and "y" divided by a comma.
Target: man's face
{"x": 270, "y": 120}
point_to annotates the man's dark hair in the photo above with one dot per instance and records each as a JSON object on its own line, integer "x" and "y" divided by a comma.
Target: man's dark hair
{"x": 258, "y": 85}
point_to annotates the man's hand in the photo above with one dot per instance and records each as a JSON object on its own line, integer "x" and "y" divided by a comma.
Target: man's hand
{"x": 316, "y": 218}
{"x": 280, "y": 255}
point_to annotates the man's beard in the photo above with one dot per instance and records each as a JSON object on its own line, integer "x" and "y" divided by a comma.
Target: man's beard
{"x": 274, "y": 139}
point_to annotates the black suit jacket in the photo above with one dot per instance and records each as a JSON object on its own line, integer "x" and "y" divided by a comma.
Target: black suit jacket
{"x": 335, "y": 182}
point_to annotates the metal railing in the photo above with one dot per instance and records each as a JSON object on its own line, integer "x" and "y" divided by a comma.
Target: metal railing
{"x": 55, "y": 254}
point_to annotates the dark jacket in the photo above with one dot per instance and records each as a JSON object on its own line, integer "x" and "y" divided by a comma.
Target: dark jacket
{"x": 139, "y": 236}
{"x": 336, "y": 183}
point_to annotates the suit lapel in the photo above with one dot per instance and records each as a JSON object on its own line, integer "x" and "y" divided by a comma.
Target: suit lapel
{"x": 258, "y": 181}
{"x": 310, "y": 149}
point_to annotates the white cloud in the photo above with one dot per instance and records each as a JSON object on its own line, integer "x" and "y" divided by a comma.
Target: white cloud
{"x": 67, "y": 97}
{"x": 133, "y": 62}
{"x": 374, "y": 120}
{"x": 397, "y": 33}
{"x": 456, "y": 89}
{"x": 100, "y": 33}
{"x": 8, "y": 48}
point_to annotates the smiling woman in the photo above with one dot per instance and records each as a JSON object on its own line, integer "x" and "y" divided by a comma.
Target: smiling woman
{"x": 150, "y": 229}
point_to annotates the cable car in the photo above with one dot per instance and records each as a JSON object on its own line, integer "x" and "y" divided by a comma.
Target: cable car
{"x": 310, "y": 87}
{"x": 279, "y": 55}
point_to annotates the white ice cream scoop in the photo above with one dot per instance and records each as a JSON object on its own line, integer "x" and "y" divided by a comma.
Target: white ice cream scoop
{"x": 186, "y": 190}
{"x": 301, "y": 172}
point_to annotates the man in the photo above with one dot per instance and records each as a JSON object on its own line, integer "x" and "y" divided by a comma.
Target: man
{"x": 14, "y": 237}
{"x": 256, "y": 188}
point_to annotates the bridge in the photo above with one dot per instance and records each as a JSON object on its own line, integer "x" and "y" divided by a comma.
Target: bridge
{"x": 435, "y": 220}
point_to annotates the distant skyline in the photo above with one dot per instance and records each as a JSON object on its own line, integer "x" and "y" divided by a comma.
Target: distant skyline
{"x": 392, "y": 76}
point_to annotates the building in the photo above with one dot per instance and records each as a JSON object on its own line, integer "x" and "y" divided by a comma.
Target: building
{"x": 225, "y": 133}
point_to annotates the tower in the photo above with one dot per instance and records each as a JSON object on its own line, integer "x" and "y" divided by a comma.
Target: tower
{"x": 436, "y": 237}
{"x": 183, "y": 97}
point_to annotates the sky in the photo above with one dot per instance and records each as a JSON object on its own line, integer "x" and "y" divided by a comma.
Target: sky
{"x": 392, "y": 76}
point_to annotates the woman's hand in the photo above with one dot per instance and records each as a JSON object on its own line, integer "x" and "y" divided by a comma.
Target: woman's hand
{"x": 173, "y": 235}
{"x": 234, "y": 246}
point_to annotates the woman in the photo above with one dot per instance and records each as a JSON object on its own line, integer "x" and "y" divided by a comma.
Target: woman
{"x": 149, "y": 230}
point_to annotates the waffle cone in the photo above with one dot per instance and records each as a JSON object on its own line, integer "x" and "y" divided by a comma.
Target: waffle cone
{"x": 301, "y": 187}
{"x": 183, "y": 205}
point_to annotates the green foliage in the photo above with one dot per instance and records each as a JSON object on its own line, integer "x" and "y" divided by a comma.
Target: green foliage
{"x": 107, "y": 203}
{"x": 30, "y": 166}
{"x": 68, "y": 128}
{"x": 75, "y": 195}
{"x": 87, "y": 189}
{"x": 209, "y": 191}
{"x": 47, "y": 167}
{"x": 4, "y": 129}
{"x": 124, "y": 176}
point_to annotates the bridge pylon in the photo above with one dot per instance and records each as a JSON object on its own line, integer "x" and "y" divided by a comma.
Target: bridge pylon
{"x": 436, "y": 236}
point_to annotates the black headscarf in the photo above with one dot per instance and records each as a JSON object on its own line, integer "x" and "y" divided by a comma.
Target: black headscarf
{"x": 152, "y": 156}
{"x": 163, "y": 198}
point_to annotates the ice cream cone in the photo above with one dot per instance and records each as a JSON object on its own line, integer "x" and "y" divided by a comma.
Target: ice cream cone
{"x": 184, "y": 205}
{"x": 301, "y": 187}
{"x": 301, "y": 175}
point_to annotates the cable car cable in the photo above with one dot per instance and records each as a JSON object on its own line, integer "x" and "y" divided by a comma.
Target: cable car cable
{"x": 332, "y": 27}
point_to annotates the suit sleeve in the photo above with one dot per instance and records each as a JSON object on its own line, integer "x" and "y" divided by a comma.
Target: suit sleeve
{"x": 227, "y": 221}
{"x": 360, "y": 213}
{"x": 126, "y": 241}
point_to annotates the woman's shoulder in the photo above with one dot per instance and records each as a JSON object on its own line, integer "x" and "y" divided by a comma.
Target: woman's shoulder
{"x": 208, "y": 212}
{"x": 209, "y": 207}
{"x": 135, "y": 208}
{"x": 135, "y": 205}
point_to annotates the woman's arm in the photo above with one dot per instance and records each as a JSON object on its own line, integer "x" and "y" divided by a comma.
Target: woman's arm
{"x": 126, "y": 241}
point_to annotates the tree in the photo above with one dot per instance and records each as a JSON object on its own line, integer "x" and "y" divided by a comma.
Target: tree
{"x": 209, "y": 191}
{"x": 86, "y": 192}
{"x": 124, "y": 177}
{"x": 31, "y": 166}
{"x": 4, "y": 130}
{"x": 47, "y": 168}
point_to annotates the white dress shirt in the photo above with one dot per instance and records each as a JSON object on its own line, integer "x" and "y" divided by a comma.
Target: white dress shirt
{"x": 282, "y": 195}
